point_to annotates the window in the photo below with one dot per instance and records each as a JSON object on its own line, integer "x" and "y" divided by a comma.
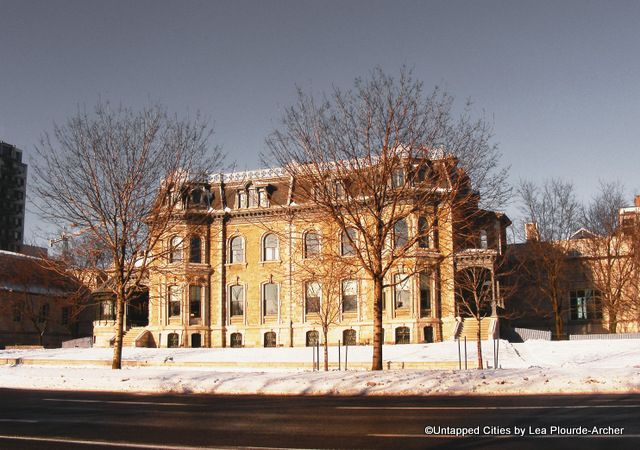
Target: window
{"x": 195, "y": 301}
{"x": 425, "y": 294}
{"x": 270, "y": 339}
{"x": 237, "y": 300}
{"x": 17, "y": 314}
{"x": 585, "y": 304}
{"x": 195, "y": 249}
{"x": 242, "y": 199}
{"x": 400, "y": 234}
{"x": 236, "y": 340}
{"x": 43, "y": 314}
{"x": 263, "y": 199}
{"x": 402, "y": 291}
{"x": 349, "y": 296}
{"x": 346, "y": 242}
{"x": 403, "y": 336}
{"x": 311, "y": 244}
{"x": 397, "y": 178}
{"x": 64, "y": 319}
{"x": 270, "y": 299}
{"x": 196, "y": 340}
{"x": 196, "y": 196}
{"x": 175, "y": 250}
{"x": 237, "y": 250}
{"x": 312, "y": 338}
{"x": 271, "y": 244}
{"x": 107, "y": 310}
{"x": 423, "y": 231}
{"x": 349, "y": 337}
{"x": 173, "y": 340}
{"x": 428, "y": 334}
{"x": 253, "y": 199}
{"x": 174, "y": 301}
{"x": 339, "y": 188}
{"x": 483, "y": 239}
{"x": 312, "y": 299}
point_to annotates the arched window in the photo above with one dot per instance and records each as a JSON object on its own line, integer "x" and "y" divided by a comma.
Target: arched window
{"x": 311, "y": 244}
{"x": 400, "y": 234}
{"x": 346, "y": 242}
{"x": 195, "y": 249}
{"x": 236, "y": 340}
{"x": 236, "y": 299}
{"x": 270, "y": 299}
{"x": 174, "y": 300}
{"x": 173, "y": 340}
{"x": 175, "y": 249}
{"x": 403, "y": 335}
{"x": 270, "y": 339}
{"x": 349, "y": 296}
{"x": 313, "y": 337}
{"x": 349, "y": 337}
{"x": 271, "y": 248}
{"x": 312, "y": 299}
{"x": 402, "y": 290}
{"x": 236, "y": 255}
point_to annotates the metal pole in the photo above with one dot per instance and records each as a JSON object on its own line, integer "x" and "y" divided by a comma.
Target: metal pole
{"x": 459, "y": 355}
{"x": 339, "y": 360}
{"x": 497, "y": 352}
{"x": 318, "y": 353}
{"x": 465, "y": 353}
{"x": 313, "y": 352}
{"x": 346, "y": 356}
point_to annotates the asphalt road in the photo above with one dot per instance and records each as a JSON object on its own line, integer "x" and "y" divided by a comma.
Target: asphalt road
{"x": 82, "y": 420}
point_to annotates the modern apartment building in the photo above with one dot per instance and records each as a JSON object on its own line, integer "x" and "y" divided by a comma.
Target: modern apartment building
{"x": 13, "y": 185}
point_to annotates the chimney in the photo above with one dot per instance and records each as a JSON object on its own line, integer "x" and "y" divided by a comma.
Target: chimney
{"x": 531, "y": 232}
{"x": 636, "y": 201}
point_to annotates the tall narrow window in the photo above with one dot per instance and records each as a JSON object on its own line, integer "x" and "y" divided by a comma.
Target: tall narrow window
{"x": 263, "y": 199}
{"x": 43, "y": 314}
{"x": 237, "y": 300}
{"x": 312, "y": 300}
{"x": 311, "y": 244}
{"x": 425, "y": 294}
{"x": 195, "y": 301}
{"x": 346, "y": 242}
{"x": 271, "y": 251}
{"x": 423, "y": 232}
{"x": 64, "y": 320}
{"x": 253, "y": 198}
{"x": 174, "y": 301}
{"x": 237, "y": 250}
{"x": 402, "y": 290}
{"x": 484, "y": 243}
{"x": 195, "y": 249}
{"x": 397, "y": 178}
{"x": 339, "y": 189}
{"x": 400, "y": 234}
{"x": 270, "y": 299}
{"x": 175, "y": 251}
{"x": 349, "y": 296}
{"x": 242, "y": 198}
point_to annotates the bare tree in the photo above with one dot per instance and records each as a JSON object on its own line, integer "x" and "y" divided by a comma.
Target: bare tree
{"x": 372, "y": 158}
{"x": 554, "y": 212}
{"x": 610, "y": 252}
{"x": 116, "y": 174}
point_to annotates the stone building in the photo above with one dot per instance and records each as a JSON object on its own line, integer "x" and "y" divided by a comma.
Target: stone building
{"x": 13, "y": 181}
{"x": 244, "y": 266}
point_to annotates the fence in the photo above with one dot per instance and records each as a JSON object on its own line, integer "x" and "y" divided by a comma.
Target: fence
{"x": 527, "y": 334}
{"x": 583, "y": 337}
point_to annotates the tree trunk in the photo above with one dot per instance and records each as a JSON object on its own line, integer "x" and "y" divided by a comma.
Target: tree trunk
{"x": 613, "y": 322}
{"x": 376, "y": 363}
{"x": 116, "y": 363}
{"x": 557, "y": 317}
{"x": 325, "y": 332}
{"x": 479, "y": 344}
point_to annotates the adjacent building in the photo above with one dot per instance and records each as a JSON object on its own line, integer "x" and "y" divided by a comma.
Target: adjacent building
{"x": 13, "y": 181}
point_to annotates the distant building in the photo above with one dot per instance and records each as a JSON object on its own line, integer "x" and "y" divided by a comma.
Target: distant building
{"x": 13, "y": 186}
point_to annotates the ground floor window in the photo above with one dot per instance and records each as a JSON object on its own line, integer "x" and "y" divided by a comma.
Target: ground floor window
{"x": 428, "y": 334}
{"x": 174, "y": 301}
{"x": 312, "y": 338}
{"x": 195, "y": 301}
{"x": 236, "y": 340}
{"x": 196, "y": 340}
{"x": 349, "y": 337}
{"x": 270, "y": 339}
{"x": 585, "y": 304}
{"x": 403, "y": 336}
{"x": 173, "y": 340}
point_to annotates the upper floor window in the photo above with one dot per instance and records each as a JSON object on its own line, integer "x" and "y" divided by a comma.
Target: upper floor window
{"x": 347, "y": 242}
{"x": 270, "y": 299}
{"x": 66, "y": 312}
{"x": 236, "y": 255}
{"x": 402, "y": 290}
{"x": 242, "y": 199}
{"x": 339, "y": 189}
{"x": 236, "y": 294}
{"x": 349, "y": 296}
{"x": 195, "y": 249}
{"x": 263, "y": 198}
{"x": 271, "y": 248}
{"x": 195, "y": 301}
{"x": 43, "y": 314}
{"x": 173, "y": 297}
{"x": 484, "y": 243}
{"x": 196, "y": 196}
{"x": 423, "y": 233}
{"x": 312, "y": 298}
{"x": 311, "y": 244}
{"x": 175, "y": 250}
{"x": 397, "y": 178}
{"x": 400, "y": 234}
{"x": 425, "y": 294}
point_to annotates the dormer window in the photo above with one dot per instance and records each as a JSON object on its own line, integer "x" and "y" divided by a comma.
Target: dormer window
{"x": 242, "y": 199}
{"x": 263, "y": 198}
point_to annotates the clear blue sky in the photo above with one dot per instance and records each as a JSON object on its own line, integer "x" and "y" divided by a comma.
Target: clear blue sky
{"x": 561, "y": 79}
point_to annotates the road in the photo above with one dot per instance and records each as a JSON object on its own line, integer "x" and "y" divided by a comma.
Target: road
{"x": 85, "y": 420}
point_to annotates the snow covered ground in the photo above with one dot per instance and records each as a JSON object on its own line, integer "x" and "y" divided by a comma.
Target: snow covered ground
{"x": 528, "y": 368}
